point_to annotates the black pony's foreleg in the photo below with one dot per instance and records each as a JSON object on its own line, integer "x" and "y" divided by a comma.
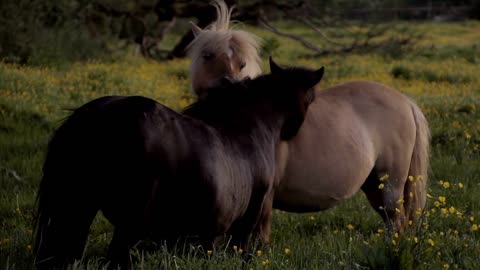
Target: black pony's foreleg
{"x": 242, "y": 229}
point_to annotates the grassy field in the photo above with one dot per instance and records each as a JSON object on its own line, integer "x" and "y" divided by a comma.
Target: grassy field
{"x": 442, "y": 73}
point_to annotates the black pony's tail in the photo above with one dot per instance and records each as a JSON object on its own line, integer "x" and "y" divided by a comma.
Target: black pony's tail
{"x": 64, "y": 209}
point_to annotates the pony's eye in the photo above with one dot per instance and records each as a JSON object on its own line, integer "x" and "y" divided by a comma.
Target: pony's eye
{"x": 242, "y": 65}
{"x": 208, "y": 55}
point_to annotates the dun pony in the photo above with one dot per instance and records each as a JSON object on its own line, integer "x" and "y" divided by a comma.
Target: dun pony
{"x": 158, "y": 174}
{"x": 356, "y": 136}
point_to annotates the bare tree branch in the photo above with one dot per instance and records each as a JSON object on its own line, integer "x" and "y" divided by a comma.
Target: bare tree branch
{"x": 264, "y": 23}
{"x": 316, "y": 29}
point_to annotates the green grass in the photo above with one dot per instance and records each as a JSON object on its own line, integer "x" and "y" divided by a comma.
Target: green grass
{"x": 441, "y": 73}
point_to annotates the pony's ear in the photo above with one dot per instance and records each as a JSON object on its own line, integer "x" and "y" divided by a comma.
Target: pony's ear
{"x": 274, "y": 68}
{"x": 317, "y": 76}
{"x": 195, "y": 29}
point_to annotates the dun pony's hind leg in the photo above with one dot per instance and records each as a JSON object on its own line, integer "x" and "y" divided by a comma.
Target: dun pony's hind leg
{"x": 265, "y": 222}
{"x": 63, "y": 240}
{"x": 415, "y": 196}
{"x": 385, "y": 189}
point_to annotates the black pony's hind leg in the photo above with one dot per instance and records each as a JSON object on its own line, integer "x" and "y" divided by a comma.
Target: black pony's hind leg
{"x": 119, "y": 249}
{"x": 63, "y": 240}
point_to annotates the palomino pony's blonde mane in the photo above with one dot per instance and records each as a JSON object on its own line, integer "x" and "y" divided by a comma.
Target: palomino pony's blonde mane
{"x": 219, "y": 37}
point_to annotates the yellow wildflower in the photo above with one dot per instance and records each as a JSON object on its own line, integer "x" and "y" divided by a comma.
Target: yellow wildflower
{"x": 415, "y": 239}
{"x": 350, "y": 227}
{"x": 446, "y": 185}
{"x": 431, "y": 242}
{"x": 436, "y": 203}
{"x": 240, "y": 251}
{"x": 385, "y": 177}
{"x": 411, "y": 178}
{"x": 442, "y": 199}
{"x": 235, "y": 248}
{"x": 446, "y": 266}
{"x": 380, "y": 230}
{"x": 259, "y": 253}
{"x": 451, "y": 210}
{"x": 411, "y": 194}
{"x": 265, "y": 262}
{"x": 410, "y": 222}
{"x": 401, "y": 201}
{"x": 474, "y": 227}
{"x": 444, "y": 211}
{"x": 396, "y": 235}
{"x": 420, "y": 178}
{"x": 472, "y": 218}
{"x": 287, "y": 251}
{"x": 429, "y": 196}
{"x": 381, "y": 186}
{"x": 460, "y": 185}
{"x": 209, "y": 252}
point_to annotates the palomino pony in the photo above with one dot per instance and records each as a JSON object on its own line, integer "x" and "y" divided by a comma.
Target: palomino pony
{"x": 219, "y": 51}
{"x": 163, "y": 175}
{"x": 357, "y": 135}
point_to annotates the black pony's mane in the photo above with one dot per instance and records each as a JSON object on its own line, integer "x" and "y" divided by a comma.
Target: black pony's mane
{"x": 235, "y": 106}
{"x": 227, "y": 94}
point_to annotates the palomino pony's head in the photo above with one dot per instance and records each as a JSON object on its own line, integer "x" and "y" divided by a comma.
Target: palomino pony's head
{"x": 219, "y": 51}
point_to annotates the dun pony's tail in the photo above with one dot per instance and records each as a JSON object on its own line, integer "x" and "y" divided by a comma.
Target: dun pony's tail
{"x": 416, "y": 186}
{"x": 63, "y": 218}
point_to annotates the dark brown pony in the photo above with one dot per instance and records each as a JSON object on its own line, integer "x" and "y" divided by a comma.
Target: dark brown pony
{"x": 158, "y": 174}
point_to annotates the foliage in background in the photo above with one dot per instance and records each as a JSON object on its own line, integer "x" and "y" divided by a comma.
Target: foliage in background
{"x": 53, "y": 33}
